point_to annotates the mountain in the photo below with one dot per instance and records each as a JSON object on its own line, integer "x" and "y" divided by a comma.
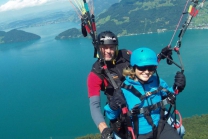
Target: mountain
{"x": 2, "y": 33}
{"x": 146, "y": 16}
{"x": 135, "y": 17}
{"x": 70, "y": 33}
{"x": 17, "y": 36}
{"x": 42, "y": 18}
{"x": 102, "y": 5}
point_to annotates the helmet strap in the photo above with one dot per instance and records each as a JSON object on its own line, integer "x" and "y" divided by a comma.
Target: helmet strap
{"x": 158, "y": 78}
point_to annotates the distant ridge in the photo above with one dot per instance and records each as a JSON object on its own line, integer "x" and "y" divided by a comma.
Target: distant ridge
{"x": 68, "y": 34}
{"x": 15, "y": 35}
{"x": 131, "y": 17}
{"x": 147, "y": 16}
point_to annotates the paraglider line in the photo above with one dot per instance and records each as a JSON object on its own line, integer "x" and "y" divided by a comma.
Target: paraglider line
{"x": 179, "y": 22}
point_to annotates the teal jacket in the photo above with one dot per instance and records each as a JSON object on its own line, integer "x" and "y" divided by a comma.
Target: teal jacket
{"x": 132, "y": 100}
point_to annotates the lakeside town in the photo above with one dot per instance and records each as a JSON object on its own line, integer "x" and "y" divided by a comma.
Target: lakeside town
{"x": 201, "y": 26}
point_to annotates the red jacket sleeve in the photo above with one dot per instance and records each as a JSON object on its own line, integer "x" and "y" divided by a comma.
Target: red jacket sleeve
{"x": 93, "y": 84}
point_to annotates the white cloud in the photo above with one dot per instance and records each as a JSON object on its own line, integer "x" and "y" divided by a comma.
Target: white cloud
{"x": 20, "y": 4}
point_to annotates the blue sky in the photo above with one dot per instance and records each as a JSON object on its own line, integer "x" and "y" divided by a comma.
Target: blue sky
{"x": 3, "y": 1}
{"x": 9, "y": 5}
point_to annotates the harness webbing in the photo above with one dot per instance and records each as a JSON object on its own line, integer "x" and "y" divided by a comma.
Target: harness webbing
{"x": 161, "y": 123}
{"x": 147, "y": 114}
{"x": 133, "y": 90}
{"x": 146, "y": 111}
{"x": 136, "y": 123}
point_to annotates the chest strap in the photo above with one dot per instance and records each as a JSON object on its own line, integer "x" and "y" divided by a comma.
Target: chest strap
{"x": 147, "y": 110}
{"x": 133, "y": 90}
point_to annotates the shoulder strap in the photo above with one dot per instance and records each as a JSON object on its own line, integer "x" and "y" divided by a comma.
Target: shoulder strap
{"x": 124, "y": 54}
{"x": 97, "y": 69}
{"x": 133, "y": 90}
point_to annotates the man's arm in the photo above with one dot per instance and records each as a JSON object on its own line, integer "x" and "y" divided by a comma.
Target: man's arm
{"x": 94, "y": 86}
{"x": 96, "y": 113}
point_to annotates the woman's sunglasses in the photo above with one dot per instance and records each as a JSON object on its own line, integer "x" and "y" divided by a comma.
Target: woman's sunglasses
{"x": 144, "y": 68}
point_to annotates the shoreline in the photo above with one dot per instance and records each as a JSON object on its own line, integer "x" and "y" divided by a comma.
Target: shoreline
{"x": 159, "y": 31}
{"x": 164, "y": 31}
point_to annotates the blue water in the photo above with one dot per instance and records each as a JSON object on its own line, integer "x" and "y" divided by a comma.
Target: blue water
{"x": 43, "y": 83}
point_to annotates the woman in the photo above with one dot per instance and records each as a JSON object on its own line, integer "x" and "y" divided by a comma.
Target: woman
{"x": 144, "y": 95}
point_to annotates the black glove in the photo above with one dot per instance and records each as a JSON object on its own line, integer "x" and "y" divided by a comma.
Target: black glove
{"x": 180, "y": 81}
{"x": 117, "y": 100}
{"x": 171, "y": 98}
{"x": 167, "y": 51}
{"x": 107, "y": 133}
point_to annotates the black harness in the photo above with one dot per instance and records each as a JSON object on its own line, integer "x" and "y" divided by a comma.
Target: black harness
{"x": 116, "y": 69}
{"x": 122, "y": 61}
{"x": 146, "y": 111}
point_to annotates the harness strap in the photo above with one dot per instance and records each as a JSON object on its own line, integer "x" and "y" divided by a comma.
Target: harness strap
{"x": 161, "y": 123}
{"x": 147, "y": 114}
{"x": 148, "y": 117}
{"x": 132, "y": 89}
{"x": 126, "y": 113}
{"x": 148, "y": 109}
{"x": 136, "y": 123}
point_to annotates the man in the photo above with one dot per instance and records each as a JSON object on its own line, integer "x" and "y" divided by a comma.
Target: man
{"x": 116, "y": 60}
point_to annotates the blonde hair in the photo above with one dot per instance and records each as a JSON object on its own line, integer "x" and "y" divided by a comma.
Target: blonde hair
{"x": 129, "y": 71}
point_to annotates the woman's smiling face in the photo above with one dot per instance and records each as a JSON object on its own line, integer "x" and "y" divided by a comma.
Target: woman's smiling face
{"x": 144, "y": 73}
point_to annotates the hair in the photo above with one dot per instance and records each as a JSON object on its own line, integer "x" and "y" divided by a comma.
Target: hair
{"x": 129, "y": 71}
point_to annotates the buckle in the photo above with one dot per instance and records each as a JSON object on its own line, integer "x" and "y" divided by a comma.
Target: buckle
{"x": 148, "y": 94}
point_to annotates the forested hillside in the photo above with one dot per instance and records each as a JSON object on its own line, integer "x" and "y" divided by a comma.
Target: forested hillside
{"x": 135, "y": 17}
{"x": 146, "y": 16}
{"x": 17, "y": 36}
{"x": 102, "y": 5}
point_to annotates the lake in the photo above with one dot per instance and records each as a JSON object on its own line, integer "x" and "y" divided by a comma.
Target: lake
{"x": 43, "y": 83}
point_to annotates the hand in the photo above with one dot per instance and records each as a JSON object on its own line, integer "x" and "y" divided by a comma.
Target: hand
{"x": 180, "y": 81}
{"x": 107, "y": 133}
{"x": 166, "y": 51}
{"x": 171, "y": 98}
{"x": 117, "y": 100}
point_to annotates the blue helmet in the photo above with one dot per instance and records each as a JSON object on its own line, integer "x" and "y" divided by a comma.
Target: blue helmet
{"x": 143, "y": 57}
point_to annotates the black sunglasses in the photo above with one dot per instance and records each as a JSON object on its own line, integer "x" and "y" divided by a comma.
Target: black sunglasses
{"x": 144, "y": 68}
